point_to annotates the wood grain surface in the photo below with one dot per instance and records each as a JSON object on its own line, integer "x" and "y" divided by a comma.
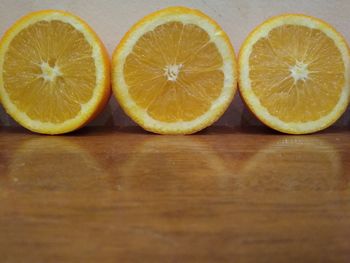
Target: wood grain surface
{"x": 219, "y": 196}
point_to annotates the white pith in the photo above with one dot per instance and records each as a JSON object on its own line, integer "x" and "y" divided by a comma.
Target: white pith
{"x": 299, "y": 71}
{"x": 172, "y": 71}
{"x": 49, "y": 73}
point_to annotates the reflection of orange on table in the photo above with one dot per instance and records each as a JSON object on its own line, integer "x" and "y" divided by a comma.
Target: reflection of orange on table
{"x": 294, "y": 163}
{"x": 54, "y": 164}
{"x": 97, "y": 196}
{"x": 175, "y": 164}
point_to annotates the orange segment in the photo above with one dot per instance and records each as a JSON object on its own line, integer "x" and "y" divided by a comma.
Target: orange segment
{"x": 174, "y": 72}
{"x": 281, "y": 54}
{"x": 52, "y": 71}
{"x": 169, "y": 71}
{"x": 294, "y": 74}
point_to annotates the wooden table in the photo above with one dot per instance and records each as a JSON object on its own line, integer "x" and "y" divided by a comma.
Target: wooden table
{"x": 219, "y": 196}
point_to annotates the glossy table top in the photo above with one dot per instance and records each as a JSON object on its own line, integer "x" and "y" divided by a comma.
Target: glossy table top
{"x": 219, "y": 196}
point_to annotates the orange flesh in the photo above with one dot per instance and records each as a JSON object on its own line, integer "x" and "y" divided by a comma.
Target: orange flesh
{"x": 183, "y": 94}
{"x": 38, "y": 50}
{"x": 301, "y": 99}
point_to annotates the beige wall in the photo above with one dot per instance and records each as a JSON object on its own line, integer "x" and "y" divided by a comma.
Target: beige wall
{"x": 111, "y": 19}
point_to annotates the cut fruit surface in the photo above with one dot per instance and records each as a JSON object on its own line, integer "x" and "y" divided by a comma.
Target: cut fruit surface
{"x": 174, "y": 72}
{"x": 294, "y": 74}
{"x": 54, "y": 72}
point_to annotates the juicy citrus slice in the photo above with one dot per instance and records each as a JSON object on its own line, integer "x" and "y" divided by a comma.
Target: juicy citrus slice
{"x": 54, "y": 72}
{"x": 174, "y": 72}
{"x": 294, "y": 74}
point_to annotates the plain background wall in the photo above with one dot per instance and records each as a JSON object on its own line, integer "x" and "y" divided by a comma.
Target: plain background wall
{"x": 112, "y": 18}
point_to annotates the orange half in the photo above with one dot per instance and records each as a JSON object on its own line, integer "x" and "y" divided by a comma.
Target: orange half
{"x": 54, "y": 72}
{"x": 174, "y": 72}
{"x": 294, "y": 74}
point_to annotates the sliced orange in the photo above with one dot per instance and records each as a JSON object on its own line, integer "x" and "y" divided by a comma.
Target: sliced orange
{"x": 54, "y": 72}
{"x": 174, "y": 72}
{"x": 294, "y": 74}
